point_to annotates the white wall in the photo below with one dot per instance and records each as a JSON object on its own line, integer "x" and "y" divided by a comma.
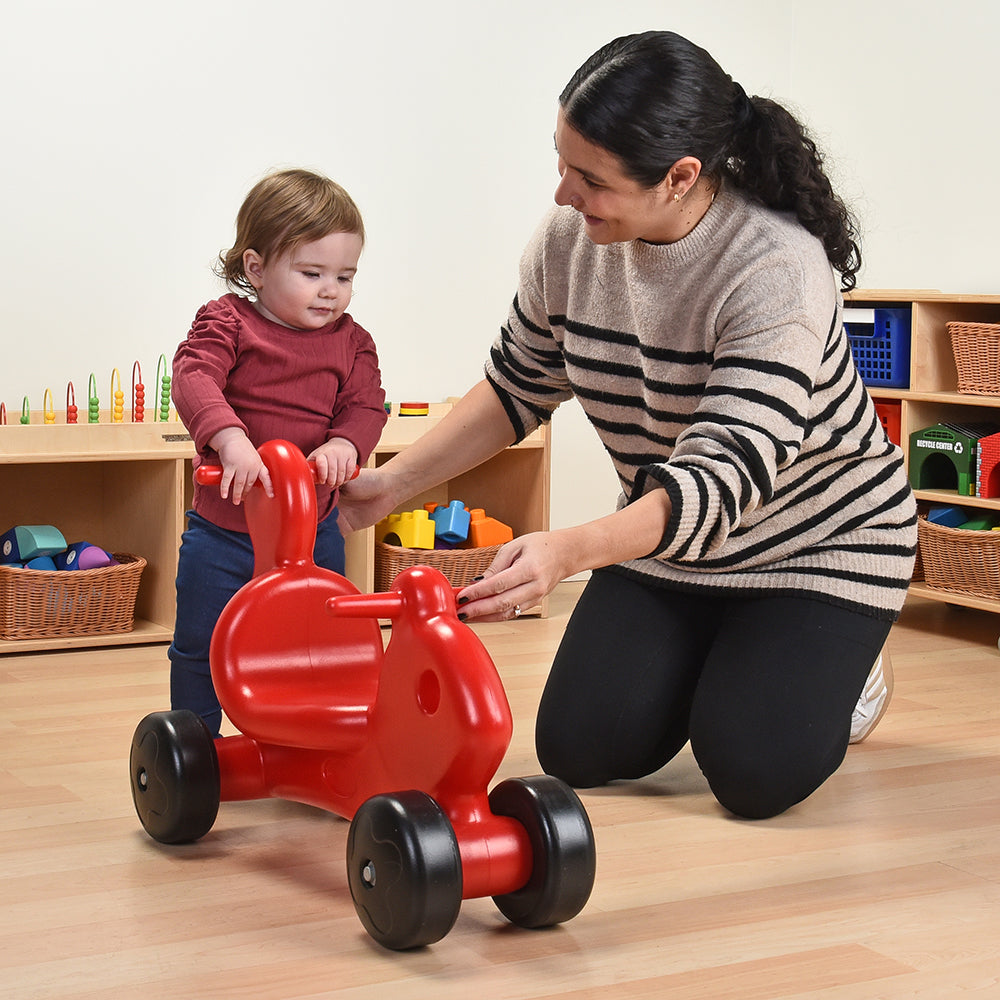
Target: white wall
{"x": 131, "y": 132}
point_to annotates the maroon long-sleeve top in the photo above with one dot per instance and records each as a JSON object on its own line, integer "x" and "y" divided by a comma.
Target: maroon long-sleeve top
{"x": 238, "y": 369}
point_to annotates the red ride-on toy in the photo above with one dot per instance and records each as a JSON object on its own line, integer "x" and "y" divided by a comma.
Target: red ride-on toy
{"x": 403, "y": 742}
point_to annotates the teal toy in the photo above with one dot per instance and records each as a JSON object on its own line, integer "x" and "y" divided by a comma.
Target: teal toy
{"x": 25, "y": 542}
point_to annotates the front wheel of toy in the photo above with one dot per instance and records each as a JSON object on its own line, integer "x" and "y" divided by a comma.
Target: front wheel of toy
{"x": 404, "y": 870}
{"x": 174, "y": 772}
{"x": 564, "y": 858}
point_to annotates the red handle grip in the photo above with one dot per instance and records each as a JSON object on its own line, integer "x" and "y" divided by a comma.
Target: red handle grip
{"x": 211, "y": 475}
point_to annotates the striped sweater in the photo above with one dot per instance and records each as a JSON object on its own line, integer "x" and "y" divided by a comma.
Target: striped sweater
{"x": 717, "y": 368}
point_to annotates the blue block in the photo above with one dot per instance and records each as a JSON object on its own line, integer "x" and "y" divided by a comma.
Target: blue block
{"x": 24, "y": 542}
{"x": 45, "y": 563}
{"x": 451, "y": 523}
{"x": 948, "y": 517}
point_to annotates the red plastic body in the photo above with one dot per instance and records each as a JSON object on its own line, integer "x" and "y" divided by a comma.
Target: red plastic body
{"x": 328, "y": 717}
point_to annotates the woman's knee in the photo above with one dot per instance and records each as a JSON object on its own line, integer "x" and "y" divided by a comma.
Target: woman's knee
{"x": 761, "y": 782}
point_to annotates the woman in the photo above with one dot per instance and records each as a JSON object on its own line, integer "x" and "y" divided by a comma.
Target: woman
{"x": 685, "y": 292}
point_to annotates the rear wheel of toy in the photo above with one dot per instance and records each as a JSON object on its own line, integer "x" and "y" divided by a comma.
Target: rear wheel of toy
{"x": 564, "y": 859}
{"x": 404, "y": 870}
{"x": 174, "y": 773}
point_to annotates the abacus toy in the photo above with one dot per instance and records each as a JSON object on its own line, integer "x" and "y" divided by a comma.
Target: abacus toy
{"x": 163, "y": 381}
{"x": 48, "y": 408}
{"x": 117, "y": 398}
{"x": 25, "y": 412}
{"x": 72, "y": 413}
{"x": 93, "y": 403}
{"x": 138, "y": 394}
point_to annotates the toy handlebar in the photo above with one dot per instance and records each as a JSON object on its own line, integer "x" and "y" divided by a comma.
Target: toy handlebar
{"x": 211, "y": 475}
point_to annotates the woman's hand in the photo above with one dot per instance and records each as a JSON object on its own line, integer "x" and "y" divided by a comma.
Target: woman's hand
{"x": 523, "y": 572}
{"x": 528, "y": 568}
{"x": 364, "y": 501}
{"x": 241, "y": 465}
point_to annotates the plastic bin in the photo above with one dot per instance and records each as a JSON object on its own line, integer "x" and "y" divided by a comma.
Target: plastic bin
{"x": 880, "y": 344}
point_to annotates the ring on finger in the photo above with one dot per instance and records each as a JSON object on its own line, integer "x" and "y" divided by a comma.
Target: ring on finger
{"x": 517, "y": 610}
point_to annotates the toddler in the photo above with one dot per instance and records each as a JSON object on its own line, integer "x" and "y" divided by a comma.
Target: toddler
{"x": 277, "y": 357}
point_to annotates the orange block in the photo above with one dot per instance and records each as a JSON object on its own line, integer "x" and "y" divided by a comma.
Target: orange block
{"x": 485, "y": 530}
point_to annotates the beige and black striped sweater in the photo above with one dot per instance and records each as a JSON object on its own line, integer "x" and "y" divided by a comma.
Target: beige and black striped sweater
{"x": 717, "y": 368}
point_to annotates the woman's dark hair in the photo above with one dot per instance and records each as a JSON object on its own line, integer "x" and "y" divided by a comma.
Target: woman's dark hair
{"x": 655, "y": 97}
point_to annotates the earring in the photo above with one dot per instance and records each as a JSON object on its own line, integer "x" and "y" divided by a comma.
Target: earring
{"x": 677, "y": 197}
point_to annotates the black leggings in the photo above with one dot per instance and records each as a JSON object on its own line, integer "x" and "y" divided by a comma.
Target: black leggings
{"x": 763, "y": 687}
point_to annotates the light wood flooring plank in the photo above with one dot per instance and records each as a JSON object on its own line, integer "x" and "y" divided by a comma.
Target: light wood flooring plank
{"x": 885, "y": 883}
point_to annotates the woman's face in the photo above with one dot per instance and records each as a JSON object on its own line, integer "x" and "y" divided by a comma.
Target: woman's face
{"x": 615, "y": 209}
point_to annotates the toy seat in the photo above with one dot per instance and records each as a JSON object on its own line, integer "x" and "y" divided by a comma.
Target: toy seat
{"x": 285, "y": 670}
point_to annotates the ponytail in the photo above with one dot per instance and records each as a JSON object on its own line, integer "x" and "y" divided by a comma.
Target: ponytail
{"x": 774, "y": 160}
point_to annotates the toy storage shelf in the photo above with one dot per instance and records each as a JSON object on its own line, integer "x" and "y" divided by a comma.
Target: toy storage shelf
{"x": 932, "y": 396}
{"x": 513, "y": 487}
{"x": 123, "y": 486}
{"x": 127, "y": 486}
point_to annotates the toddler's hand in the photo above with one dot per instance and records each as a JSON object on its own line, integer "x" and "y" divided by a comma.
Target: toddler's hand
{"x": 241, "y": 465}
{"x": 335, "y": 461}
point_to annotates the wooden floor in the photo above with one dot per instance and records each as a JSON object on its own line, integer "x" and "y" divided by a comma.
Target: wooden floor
{"x": 886, "y": 883}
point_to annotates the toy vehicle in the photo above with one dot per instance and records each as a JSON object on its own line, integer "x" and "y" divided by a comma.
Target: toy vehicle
{"x": 403, "y": 742}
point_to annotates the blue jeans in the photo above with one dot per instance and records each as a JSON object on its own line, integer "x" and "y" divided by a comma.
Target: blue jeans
{"x": 212, "y": 565}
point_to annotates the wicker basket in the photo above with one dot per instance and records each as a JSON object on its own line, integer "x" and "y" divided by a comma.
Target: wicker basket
{"x": 460, "y": 566}
{"x": 977, "y": 357}
{"x": 960, "y": 560}
{"x": 50, "y": 604}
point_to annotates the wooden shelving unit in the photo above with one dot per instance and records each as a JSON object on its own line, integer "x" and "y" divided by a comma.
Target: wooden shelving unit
{"x": 513, "y": 487}
{"x": 127, "y": 486}
{"x": 932, "y": 396}
{"x": 124, "y": 487}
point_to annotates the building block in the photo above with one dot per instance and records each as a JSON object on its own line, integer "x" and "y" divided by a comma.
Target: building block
{"x": 413, "y": 529}
{"x": 83, "y": 555}
{"x": 451, "y": 523}
{"x": 983, "y": 522}
{"x": 485, "y": 530}
{"x": 947, "y": 516}
{"x": 44, "y": 563}
{"x": 24, "y": 542}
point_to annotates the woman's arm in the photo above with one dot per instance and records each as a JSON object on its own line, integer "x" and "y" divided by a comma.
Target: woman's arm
{"x": 526, "y": 569}
{"x": 475, "y": 429}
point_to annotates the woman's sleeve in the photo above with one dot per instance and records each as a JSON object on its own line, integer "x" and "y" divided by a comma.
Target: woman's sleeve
{"x": 526, "y": 367}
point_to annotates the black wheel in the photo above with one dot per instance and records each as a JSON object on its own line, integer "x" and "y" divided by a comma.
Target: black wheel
{"x": 562, "y": 845}
{"x": 404, "y": 870}
{"x": 175, "y": 776}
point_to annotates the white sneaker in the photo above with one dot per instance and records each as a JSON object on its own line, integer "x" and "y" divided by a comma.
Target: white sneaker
{"x": 874, "y": 699}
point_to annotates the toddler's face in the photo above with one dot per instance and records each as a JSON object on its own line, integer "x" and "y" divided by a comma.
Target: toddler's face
{"x": 309, "y": 287}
